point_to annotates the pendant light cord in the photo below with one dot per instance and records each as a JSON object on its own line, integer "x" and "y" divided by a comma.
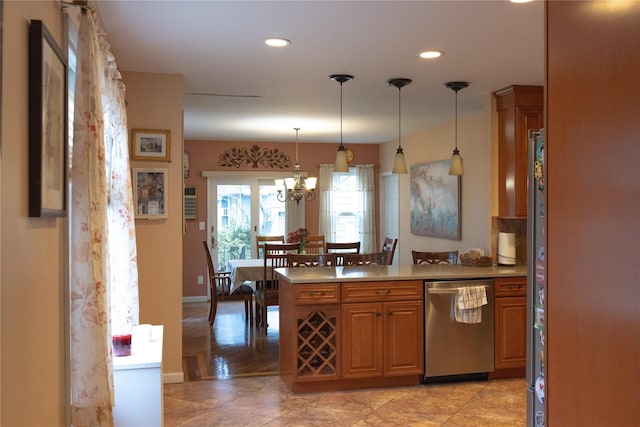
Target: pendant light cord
{"x": 341, "y": 114}
{"x": 296, "y": 129}
{"x": 456, "y": 122}
{"x": 399, "y": 116}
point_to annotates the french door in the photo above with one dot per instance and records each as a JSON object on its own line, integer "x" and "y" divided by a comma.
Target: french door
{"x": 242, "y": 206}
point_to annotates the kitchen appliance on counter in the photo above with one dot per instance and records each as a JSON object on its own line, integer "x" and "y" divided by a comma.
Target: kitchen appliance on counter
{"x": 536, "y": 281}
{"x": 456, "y": 350}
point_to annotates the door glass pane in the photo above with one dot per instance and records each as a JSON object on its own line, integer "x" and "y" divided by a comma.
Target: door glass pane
{"x": 272, "y": 216}
{"x": 234, "y": 223}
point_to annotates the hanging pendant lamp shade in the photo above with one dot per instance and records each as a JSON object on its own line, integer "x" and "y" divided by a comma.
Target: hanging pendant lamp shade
{"x": 456, "y": 158}
{"x": 341, "y": 164}
{"x": 399, "y": 165}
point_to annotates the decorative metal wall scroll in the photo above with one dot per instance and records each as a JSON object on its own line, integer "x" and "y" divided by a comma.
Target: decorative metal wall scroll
{"x": 243, "y": 157}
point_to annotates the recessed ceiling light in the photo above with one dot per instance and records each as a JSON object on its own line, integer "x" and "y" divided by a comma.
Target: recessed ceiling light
{"x": 277, "y": 42}
{"x": 431, "y": 54}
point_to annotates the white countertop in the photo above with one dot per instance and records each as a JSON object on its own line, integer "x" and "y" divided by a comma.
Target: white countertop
{"x": 397, "y": 272}
{"x": 145, "y": 353}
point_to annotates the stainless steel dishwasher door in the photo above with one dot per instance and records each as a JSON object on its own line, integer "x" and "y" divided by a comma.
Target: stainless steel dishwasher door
{"x": 454, "y": 348}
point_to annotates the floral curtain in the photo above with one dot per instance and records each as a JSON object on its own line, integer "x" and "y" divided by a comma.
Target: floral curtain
{"x": 365, "y": 182}
{"x": 103, "y": 267}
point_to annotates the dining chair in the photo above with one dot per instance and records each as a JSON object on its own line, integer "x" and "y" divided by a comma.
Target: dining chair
{"x": 374, "y": 258}
{"x": 312, "y": 260}
{"x": 220, "y": 287}
{"x": 445, "y": 257}
{"x": 389, "y": 246}
{"x": 342, "y": 248}
{"x": 267, "y": 291}
{"x": 314, "y": 244}
{"x": 261, "y": 240}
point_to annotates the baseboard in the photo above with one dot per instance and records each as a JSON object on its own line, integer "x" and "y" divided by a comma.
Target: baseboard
{"x": 172, "y": 377}
{"x": 195, "y": 299}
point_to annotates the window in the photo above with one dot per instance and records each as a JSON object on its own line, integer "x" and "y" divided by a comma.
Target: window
{"x": 346, "y": 207}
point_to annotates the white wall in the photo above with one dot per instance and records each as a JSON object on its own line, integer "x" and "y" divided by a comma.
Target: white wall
{"x": 475, "y": 145}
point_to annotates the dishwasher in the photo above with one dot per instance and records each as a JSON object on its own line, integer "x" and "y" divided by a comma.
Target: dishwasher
{"x": 455, "y": 350}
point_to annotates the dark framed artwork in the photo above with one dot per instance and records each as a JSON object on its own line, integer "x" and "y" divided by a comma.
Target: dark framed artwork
{"x": 150, "y": 195}
{"x": 47, "y": 124}
{"x": 435, "y": 200}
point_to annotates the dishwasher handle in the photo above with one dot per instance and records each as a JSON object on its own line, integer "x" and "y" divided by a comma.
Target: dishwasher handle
{"x": 446, "y": 291}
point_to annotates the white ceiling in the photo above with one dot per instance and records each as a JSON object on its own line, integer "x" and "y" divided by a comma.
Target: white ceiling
{"x": 236, "y": 88}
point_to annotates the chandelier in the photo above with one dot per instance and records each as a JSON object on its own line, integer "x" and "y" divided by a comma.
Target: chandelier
{"x": 295, "y": 188}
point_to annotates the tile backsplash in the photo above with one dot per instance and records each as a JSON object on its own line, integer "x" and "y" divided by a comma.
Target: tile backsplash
{"x": 510, "y": 225}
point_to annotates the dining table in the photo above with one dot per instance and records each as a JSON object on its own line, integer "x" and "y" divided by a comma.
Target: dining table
{"x": 245, "y": 271}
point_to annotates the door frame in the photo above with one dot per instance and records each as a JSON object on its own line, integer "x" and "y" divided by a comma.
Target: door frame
{"x": 295, "y": 214}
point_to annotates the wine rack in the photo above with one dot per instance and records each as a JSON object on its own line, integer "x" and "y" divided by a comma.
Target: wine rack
{"x": 317, "y": 351}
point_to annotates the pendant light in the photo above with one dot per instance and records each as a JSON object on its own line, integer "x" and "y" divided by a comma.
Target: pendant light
{"x": 399, "y": 165}
{"x": 456, "y": 159}
{"x": 341, "y": 164}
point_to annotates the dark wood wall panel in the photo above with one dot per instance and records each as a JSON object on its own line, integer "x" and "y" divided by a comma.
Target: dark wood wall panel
{"x": 593, "y": 221}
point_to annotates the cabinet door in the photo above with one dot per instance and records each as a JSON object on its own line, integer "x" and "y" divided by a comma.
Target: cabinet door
{"x": 403, "y": 338}
{"x": 362, "y": 340}
{"x": 510, "y": 332}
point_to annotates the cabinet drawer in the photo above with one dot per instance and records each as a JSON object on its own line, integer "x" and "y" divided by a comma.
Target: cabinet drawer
{"x": 316, "y": 294}
{"x": 382, "y": 291}
{"x": 510, "y": 286}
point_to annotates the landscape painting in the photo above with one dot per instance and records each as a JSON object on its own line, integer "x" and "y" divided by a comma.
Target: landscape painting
{"x": 435, "y": 201}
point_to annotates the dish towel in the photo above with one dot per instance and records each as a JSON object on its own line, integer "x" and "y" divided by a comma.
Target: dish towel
{"x": 468, "y": 302}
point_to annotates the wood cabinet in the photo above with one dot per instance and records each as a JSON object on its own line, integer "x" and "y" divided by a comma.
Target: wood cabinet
{"x": 510, "y": 355}
{"x": 381, "y": 339}
{"x": 382, "y": 331}
{"x": 337, "y": 336}
{"x": 519, "y": 109}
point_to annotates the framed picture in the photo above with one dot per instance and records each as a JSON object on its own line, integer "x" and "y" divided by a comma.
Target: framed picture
{"x": 47, "y": 124}
{"x": 151, "y": 145}
{"x": 150, "y": 195}
{"x": 435, "y": 200}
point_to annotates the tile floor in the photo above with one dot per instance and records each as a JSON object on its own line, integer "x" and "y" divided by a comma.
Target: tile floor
{"x": 231, "y": 396}
{"x": 265, "y": 401}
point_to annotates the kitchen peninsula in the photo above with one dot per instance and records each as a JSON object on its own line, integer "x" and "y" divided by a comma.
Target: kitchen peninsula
{"x": 360, "y": 327}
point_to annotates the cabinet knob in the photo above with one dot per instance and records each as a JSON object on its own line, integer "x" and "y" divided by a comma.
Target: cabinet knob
{"x": 389, "y": 313}
{"x": 382, "y": 291}
{"x": 378, "y": 314}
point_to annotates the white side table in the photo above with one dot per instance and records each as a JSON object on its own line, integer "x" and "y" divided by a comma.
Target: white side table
{"x": 138, "y": 383}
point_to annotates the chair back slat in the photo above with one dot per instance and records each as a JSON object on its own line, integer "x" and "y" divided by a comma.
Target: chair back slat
{"x": 314, "y": 244}
{"x": 443, "y": 257}
{"x": 261, "y": 240}
{"x": 276, "y": 256}
{"x": 389, "y": 246}
{"x": 312, "y": 260}
{"x": 341, "y": 248}
{"x": 375, "y": 258}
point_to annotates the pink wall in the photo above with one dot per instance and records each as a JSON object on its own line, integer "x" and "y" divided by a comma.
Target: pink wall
{"x": 204, "y": 157}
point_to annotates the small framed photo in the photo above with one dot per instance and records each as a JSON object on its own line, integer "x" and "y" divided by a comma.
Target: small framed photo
{"x": 154, "y": 145}
{"x": 150, "y": 195}
{"x": 47, "y": 124}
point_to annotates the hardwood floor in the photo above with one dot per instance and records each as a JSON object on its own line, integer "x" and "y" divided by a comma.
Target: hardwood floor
{"x": 249, "y": 392}
{"x": 229, "y": 349}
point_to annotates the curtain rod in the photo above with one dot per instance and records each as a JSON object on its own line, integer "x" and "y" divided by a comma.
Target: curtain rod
{"x": 82, "y": 4}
